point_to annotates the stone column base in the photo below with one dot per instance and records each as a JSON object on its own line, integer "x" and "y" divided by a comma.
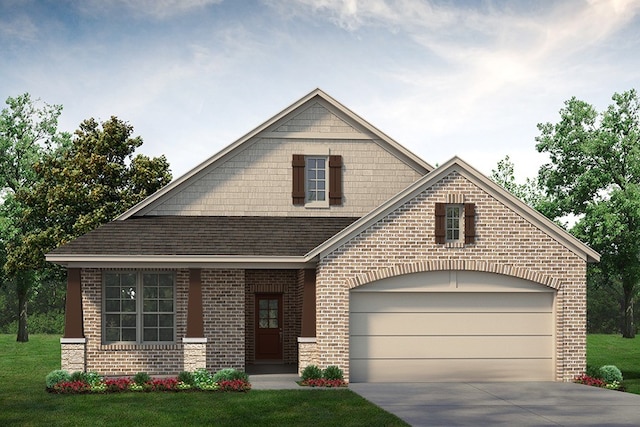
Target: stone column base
{"x": 307, "y": 353}
{"x": 195, "y": 354}
{"x": 73, "y": 354}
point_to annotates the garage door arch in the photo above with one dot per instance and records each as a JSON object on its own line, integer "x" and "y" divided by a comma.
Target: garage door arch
{"x": 452, "y": 325}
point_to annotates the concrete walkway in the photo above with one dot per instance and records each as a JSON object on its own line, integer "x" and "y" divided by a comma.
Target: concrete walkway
{"x": 509, "y": 404}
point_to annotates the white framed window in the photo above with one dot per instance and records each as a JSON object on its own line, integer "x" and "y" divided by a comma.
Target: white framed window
{"x": 316, "y": 181}
{"x": 139, "y": 307}
{"x": 452, "y": 222}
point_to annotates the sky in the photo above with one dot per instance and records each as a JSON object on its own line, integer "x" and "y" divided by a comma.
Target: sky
{"x": 442, "y": 78}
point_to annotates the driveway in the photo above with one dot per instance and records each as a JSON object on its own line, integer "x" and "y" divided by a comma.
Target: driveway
{"x": 513, "y": 404}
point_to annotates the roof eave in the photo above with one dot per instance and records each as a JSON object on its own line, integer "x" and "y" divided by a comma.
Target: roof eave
{"x": 181, "y": 261}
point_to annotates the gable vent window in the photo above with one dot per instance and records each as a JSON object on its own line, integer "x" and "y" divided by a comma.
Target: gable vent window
{"x": 317, "y": 180}
{"x": 455, "y": 223}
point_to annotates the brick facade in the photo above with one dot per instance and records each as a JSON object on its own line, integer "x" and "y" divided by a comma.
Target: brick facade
{"x": 403, "y": 242}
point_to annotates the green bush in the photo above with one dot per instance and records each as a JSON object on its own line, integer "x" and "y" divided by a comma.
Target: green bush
{"x": 203, "y": 380}
{"x": 57, "y": 376}
{"x": 186, "y": 377}
{"x": 79, "y": 376}
{"x": 332, "y": 373}
{"x": 141, "y": 378}
{"x": 593, "y": 371}
{"x": 610, "y": 374}
{"x": 311, "y": 372}
{"x": 230, "y": 374}
{"x": 93, "y": 378}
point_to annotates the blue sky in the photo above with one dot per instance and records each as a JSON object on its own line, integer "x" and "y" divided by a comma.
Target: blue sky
{"x": 443, "y": 78}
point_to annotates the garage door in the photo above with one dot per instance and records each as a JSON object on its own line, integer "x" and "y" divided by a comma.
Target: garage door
{"x": 451, "y": 326}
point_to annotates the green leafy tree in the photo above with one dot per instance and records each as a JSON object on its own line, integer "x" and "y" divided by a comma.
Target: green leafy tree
{"x": 28, "y": 130}
{"x": 594, "y": 174}
{"x": 530, "y": 192}
{"x": 82, "y": 185}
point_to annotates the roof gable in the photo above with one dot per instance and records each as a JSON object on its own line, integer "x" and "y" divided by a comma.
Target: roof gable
{"x": 456, "y": 164}
{"x": 316, "y": 116}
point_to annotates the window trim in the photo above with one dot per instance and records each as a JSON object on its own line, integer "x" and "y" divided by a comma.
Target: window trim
{"x": 139, "y": 313}
{"x": 458, "y": 219}
{"x": 307, "y": 181}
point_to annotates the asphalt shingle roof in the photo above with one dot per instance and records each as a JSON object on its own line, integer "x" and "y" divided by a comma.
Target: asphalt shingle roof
{"x": 207, "y": 235}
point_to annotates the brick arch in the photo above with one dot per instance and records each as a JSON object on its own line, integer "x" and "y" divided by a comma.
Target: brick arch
{"x": 439, "y": 265}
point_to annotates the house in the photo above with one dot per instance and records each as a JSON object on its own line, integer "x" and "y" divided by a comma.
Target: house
{"x": 318, "y": 239}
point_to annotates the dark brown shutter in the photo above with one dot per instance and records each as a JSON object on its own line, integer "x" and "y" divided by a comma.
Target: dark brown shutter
{"x": 335, "y": 180}
{"x": 441, "y": 213}
{"x": 298, "y": 179}
{"x": 469, "y": 223}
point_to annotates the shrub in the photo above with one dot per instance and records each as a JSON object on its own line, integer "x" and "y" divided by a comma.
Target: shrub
{"x": 57, "y": 376}
{"x": 311, "y": 372}
{"x": 186, "y": 377}
{"x": 141, "y": 378}
{"x": 230, "y": 374}
{"x": 610, "y": 374}
{"x": 93, "y": 378}
{"x": 203, "y": 380}
{"x": 117, "y": 384}
{"x": 332, "y": 373}
{"x": 593, "y": 371}
{"x": 78, "y": 376}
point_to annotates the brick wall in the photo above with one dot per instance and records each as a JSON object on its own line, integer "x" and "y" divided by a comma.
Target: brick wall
{"x": 403, "y": 242}
{"x": 223, "y": 307}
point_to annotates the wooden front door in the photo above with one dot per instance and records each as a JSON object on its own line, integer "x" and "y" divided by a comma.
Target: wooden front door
{"x": 269, "y": 326}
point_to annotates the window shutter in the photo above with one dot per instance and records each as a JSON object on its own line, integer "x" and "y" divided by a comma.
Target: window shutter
{"x": 469, "y": 223}
{"x": 441, "y": 213}
{"x": 335, "y": 180}
{"x": 298, "y": 194}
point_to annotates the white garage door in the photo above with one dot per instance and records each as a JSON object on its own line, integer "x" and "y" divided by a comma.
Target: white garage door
{"x": 451, "y": 326}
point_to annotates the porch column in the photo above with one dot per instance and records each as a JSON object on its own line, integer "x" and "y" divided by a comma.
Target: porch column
{"x": 307, "y": 346}
{"x": 73, "y": 343}
{"x": 194, "y": 343}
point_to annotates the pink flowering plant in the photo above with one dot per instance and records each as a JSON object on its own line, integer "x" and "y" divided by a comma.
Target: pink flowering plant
{"x": 61, "y": 382}
{"x": 608, "y": 376}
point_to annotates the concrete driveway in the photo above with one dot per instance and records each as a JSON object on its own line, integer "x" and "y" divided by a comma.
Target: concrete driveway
{"x": 513, "y": 404}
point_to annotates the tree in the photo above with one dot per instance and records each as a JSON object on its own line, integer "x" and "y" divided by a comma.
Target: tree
{"x": 27, "y": 131}
{"x": 594, "y": 174}
{"x": 82, "y": 185}
{"x": 530, "y": 192}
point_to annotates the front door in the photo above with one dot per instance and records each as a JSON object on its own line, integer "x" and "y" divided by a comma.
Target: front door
{"x": 268, "y": 326}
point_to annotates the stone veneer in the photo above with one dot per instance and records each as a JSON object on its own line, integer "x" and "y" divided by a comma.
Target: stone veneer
{"x": 72, "y": 354}
{"x": 403, "y": 242}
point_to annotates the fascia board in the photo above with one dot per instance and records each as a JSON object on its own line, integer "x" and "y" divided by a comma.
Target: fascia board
{"x": 473, "y": 175}
{"x": 179, "y": 261}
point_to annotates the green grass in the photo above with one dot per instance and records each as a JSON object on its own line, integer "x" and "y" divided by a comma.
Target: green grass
{"x": 615, "y": 350}
{"x": 24, "y": 401}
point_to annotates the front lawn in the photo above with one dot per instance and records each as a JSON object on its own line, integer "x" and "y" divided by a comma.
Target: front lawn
{"x": 615, "y": 350}
{"x": 24, "y": 401}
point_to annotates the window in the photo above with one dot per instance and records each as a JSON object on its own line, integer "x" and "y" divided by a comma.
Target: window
{"x": 455, "y": 221}
{"x": 452, "y": 228}
{"x": 317, "y": 180}
{"x": 139, "y": 307}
